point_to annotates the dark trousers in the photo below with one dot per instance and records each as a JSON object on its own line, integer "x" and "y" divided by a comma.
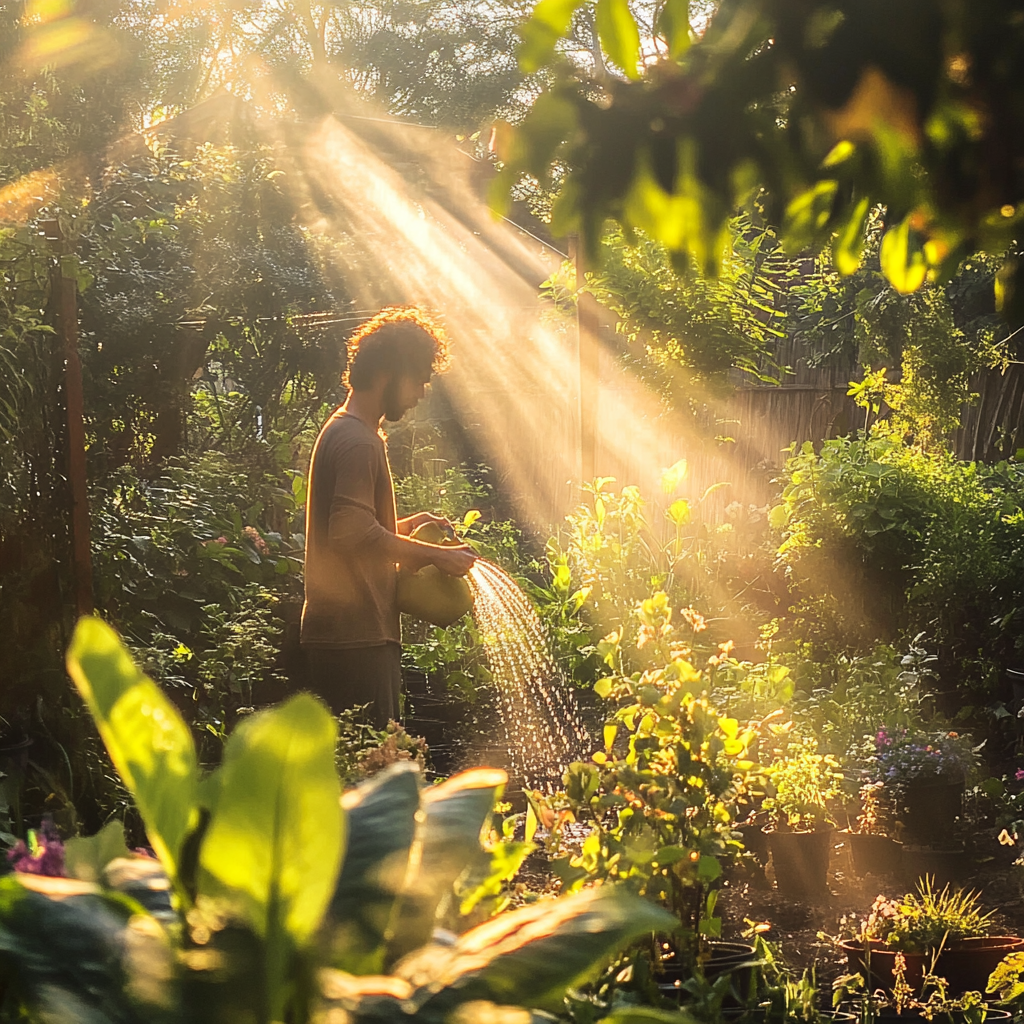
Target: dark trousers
{"x": 347, "y": 677}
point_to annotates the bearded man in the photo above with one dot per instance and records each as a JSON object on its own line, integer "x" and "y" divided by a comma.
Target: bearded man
{"x": 355, "y": 542}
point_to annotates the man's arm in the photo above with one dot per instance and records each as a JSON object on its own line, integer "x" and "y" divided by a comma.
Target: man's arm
{"x": 410, "y": 524}
{"x": 354, "y": 526}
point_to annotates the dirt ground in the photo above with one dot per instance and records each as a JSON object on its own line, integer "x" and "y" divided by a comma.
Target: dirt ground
{"x": 801, "y": 930}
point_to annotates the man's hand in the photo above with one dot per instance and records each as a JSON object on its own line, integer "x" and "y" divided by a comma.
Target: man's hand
{"x": 456, "y": 561}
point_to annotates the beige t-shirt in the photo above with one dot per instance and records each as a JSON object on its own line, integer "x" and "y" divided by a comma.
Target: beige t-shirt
{"x": 351, "y": 586}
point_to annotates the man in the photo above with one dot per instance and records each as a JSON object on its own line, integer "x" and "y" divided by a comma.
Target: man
{"x": 354, "y": 540}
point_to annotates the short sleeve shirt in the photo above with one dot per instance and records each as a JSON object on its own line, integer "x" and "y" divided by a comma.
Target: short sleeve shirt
{"x": 351, "y": 586}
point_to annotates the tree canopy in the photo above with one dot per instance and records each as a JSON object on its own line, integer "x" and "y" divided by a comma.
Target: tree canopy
{"x": 810, "y": 112}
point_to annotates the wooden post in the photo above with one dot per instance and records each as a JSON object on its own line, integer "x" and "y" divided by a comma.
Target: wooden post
{"x": 589, "y": 342}
{"x": 66, "y": 293}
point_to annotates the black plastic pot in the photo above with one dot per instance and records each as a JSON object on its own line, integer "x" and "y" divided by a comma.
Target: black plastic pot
{"x": 874, "y": 855}
{"x": 945, "y": 867}
{"x": 890, "y": 1016}
{"x": 733, "y": 958}
{"x": 930, "y": 810}
{"x": 801, "y": 862}
{"x": 754, "y": 839}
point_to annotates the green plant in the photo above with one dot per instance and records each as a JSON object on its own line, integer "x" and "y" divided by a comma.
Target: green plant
{"x": 659, "y": 799}
{"x": 878, "y": 537}
{"x": 925, "y": 921}
{"x": 802, "y": 785}
{"x": 285, "y": 900}
{"x": 905, "y": 757}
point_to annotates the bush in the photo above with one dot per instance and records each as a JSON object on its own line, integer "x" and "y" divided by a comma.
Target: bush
{"x": 881, "y": 539}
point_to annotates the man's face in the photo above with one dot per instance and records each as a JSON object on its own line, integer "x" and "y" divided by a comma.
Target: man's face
{"x": 402, "y": 393}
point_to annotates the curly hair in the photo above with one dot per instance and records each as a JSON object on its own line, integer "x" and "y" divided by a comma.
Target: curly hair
{"x": 398, "y": 337}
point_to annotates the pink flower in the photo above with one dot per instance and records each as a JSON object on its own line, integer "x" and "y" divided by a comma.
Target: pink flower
{"x": 1020, "y": 775}
{"x": 257, "y": 541}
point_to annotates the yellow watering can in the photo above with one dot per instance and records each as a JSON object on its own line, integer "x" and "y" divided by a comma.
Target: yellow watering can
{"x": 430, "y": 594}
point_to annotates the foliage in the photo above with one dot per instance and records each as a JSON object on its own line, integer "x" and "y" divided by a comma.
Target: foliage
{"x": 904, "y": 757}
{"x": 802, "y": 784}
{"x": 815, "y": 114}
{"x": 878, "y": 536}
{"x": 1008, "y": 979}
{"x": 611, "y": 557}
{"x": 660, "y": 799}
{"x": 191, "y": 567}
{"x": 926, "y": 920}
{"x": 255, "y": 854}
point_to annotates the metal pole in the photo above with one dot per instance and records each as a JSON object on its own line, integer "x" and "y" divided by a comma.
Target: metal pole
{"x": 74, "y": 408}
{"x": 587, "y": 324}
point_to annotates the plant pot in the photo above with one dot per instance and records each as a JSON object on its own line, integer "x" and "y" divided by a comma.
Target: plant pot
{"x": 734, "y": 958}
{"x": 877, "y": 965}
{"x": 801, "y": 862}
{"x": 930, "y": 809}
{"x": 754, "y": 839}
{"x": 946, "y": 867}
{"x": 874, "y": 855}
{"x": 889, "y": 1016}
{"x": 967, "y": 965}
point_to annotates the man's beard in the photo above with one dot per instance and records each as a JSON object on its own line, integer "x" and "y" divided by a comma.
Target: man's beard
{"x": 393, "y": 410}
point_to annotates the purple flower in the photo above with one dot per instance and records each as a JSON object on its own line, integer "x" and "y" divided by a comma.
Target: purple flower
{"x": 42, "y": 855}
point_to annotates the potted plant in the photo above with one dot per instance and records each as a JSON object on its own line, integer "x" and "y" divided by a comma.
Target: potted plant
{"x": 926, "y": 774}
{"x": 928, "y": 933}
{"x": 802, "y": 784}
{"x": 872, "y": 847}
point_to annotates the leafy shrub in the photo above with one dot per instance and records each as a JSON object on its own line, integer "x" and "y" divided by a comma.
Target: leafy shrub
{"x": 287, "y": 901}
{"x": 802, "y": 783}
{"x": 879, "y": 537}
{"x": 189, "y": 567}
{"x": 660, "y": 799}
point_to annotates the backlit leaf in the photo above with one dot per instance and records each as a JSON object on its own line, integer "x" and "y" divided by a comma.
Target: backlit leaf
{"x": 902, "y": 258}
{"x": 619, "y": 35}
{"x": 273, "y": 848}
{"x": 849, "y": 244}
{"x": 548, "y": 23}
{"x": 146, "y": 737}
{"x": 674, "y": 26}
{"x": 532, "y": 955}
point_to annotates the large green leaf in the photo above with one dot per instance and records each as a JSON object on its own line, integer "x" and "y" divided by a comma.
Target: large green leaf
{"x": 529, "y": 957}
{"x": 147, "y": 739}
{"x": 381, "y": 820}
{"x": 63, "y": 955}
{"x": 274, "y": 844}
{"x": 273, "y": 848}
{"x": 447, "y": 845}
{"x": 619, "y": 35}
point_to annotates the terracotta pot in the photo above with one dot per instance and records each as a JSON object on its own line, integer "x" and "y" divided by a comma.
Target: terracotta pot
{"x": 946, "y": 867}
{"x": 874, "y": 855}
{"x": 801, "y": 862}
{"x": 877, "y": 965}
{"x": 967, "y": 964}
{"x": 930, "y": 809}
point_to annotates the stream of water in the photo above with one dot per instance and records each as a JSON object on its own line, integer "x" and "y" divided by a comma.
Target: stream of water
{"x": 545, "y": 729}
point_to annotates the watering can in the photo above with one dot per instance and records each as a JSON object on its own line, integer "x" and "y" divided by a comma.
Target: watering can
{"x": 430, "y": 594}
